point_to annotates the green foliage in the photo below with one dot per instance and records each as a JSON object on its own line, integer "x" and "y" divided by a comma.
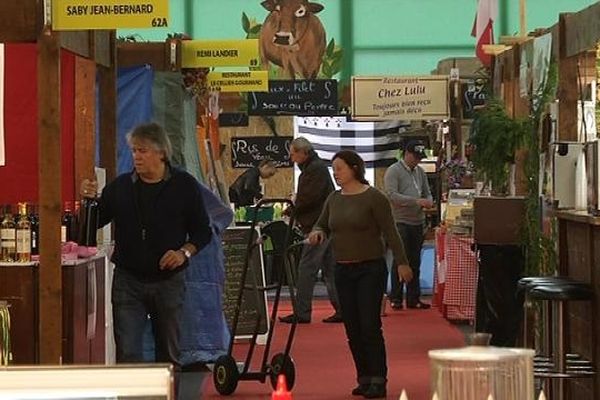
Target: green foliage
{"x": 541, "y": 258}
{"x": 332, "y": 61}
{"x": 251, "y": 27}
{"x": 495, "y": 137}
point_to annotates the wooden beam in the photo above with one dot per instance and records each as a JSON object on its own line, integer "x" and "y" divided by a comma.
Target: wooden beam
{"x": 568, "y": 92}
{"x": 523, "y": 17}
{"x": 582, "y": 30}
{"x": 495, "y": 49}
{"x": 49, "y": 122}
{"x": 77, "y": 42}
{"x": 18, "y": 20}
{"x": 108, "y": 108}
{"x": 85, "y": 119}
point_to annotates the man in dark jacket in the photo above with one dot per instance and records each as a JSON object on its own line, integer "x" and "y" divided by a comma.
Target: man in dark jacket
{"x": 314, "y": 186}
{"x": 160, "y": 221}
{"x": 245, "y": 190}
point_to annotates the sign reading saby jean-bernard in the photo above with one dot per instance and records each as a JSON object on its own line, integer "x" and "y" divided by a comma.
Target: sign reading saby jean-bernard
{"x": 219, "y": 53}
{"x": 403, "y": 97}
{"x": 109, "y": 14}
{"x": 247, "y": 81}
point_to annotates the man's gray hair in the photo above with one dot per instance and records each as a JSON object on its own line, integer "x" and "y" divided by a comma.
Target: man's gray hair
{"x": 302, "y": 144}
{"x": 155, "y": 134}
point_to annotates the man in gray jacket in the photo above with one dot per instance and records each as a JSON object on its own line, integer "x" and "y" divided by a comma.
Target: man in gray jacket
{"x": 314, "y": 186}
{"x": 408, "y": 190}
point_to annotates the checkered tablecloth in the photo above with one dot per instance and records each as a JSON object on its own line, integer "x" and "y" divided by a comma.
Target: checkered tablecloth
{"x": 455, "y": 279}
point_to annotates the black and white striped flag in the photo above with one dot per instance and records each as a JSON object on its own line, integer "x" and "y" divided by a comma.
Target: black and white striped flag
{"x": 376, "y": 142}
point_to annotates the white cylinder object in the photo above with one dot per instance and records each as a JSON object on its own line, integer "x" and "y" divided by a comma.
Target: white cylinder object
{"x": 580, "y": 183}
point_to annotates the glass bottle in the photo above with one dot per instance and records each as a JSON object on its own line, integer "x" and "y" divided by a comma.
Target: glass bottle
{"x": 7, "y": 237}
{"x": 23, "y": 233}
{"x": 34, "y": 220}
{"x": 88, "y": 222}
{"x": 66, "y": 235}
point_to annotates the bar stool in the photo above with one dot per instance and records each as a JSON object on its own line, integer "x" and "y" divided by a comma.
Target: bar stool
{"x": 562, "y": 366}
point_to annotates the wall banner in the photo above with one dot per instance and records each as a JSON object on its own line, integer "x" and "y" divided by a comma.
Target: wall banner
{"x": 249, "y": 81}
{"x": 2, "y": 159}
{"x": 219, "y": 53}
{"x": 109, "y": 14}
{"x": 404, "y": 97}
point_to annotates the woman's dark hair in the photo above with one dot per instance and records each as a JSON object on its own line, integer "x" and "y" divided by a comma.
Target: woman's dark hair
{"x": 355, "y": 162}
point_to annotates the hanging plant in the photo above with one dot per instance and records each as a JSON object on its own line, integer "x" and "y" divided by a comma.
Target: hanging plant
{"x": 495, "y": 137}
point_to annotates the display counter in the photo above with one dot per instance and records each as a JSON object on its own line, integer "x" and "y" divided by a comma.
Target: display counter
{"x": 83, "y": 319}
{"x": 579, "y": 258}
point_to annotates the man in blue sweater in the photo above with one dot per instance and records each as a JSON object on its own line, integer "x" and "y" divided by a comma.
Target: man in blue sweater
{"x": 160, "y": 221}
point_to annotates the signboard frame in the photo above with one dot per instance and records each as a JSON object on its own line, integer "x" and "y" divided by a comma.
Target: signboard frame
{"x": 381, "y": 98}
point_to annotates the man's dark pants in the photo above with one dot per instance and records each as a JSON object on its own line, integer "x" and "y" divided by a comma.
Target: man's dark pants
{"x": 412, "y": 237}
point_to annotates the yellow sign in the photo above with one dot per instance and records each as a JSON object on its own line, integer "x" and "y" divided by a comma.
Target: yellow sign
{"x": 402, "y": 97}
{"x": 109, "y": 14}
{"x": 251, "y": 81}
{"x": 220, "y": 53}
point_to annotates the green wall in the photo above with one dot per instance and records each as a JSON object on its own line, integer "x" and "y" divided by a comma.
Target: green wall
{"x": 378, "y": 36}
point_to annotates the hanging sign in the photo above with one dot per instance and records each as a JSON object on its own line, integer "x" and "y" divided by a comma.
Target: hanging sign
{"x": 219, "y": 53}
{"x": 296, "y": 97}
{"x": 109, "y": 14}
{"x": 249, "y": 81}
{"x": 404, "y": 97}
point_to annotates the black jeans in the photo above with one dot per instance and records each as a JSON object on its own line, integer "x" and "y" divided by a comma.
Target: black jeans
{"x": 360, "y": 288}
{"x": 133, "y": 301}
{"x": 412, "y": 237}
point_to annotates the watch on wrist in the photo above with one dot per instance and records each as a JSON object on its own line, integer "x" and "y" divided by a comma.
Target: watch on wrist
{"x": 186, "y": 253}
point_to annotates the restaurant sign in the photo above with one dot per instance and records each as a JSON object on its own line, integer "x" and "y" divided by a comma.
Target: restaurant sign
{"x": 249, "y": 81}
{"x": 109, "y": 14}
{"x": 404, "y": 97}
{"x": 219, "y": 53}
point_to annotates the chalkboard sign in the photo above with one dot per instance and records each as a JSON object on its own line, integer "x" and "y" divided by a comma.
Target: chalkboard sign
{"x": 474, "y": 97}
{"x": 233, "y": 119}
{"x": 296, "y": 97}
{"x": 235, "y": 242}
{"x": 248, "y": 152}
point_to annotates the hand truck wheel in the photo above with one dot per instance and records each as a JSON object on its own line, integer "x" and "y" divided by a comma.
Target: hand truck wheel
{"x": 225, "y": 375}
{"x": 282, "y": 364}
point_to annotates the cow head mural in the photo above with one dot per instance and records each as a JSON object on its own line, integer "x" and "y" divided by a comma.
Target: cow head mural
{"x": 293, "y": 37}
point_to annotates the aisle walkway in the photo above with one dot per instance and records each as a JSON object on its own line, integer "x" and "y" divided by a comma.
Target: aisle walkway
{"x": 324, "y": 368}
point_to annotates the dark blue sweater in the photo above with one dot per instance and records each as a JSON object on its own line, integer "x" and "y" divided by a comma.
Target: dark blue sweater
{"x": 179, "y": 217}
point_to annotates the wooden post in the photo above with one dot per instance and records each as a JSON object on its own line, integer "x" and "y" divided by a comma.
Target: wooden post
{"x": 568, "y": 92}
{"x": 523, "y": 17}
{"x": 108, "y": 119}
{"x": 49, "y": 131}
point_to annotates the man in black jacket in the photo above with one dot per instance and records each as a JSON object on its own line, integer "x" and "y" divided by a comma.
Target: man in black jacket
{"x": 160, "y": 221}
{"x": 314, "y": 186}
{"x": 245, "y": 190}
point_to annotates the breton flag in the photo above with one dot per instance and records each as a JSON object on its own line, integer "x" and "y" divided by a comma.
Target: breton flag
{"x": 483, "y": 28}
{"x": 2, "y": 159}
{"x": 376, "y": 142}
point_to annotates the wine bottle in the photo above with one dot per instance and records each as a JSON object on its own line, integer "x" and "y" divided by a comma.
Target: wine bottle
{"x": 23, "y": 233}
{"x": 66, "y": 235}
{"x": 7, "y": 237}
{"x": 88, "y": 222}
{"x": 34, "y": 220}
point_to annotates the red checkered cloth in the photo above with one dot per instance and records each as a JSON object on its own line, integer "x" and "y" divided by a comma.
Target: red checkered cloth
{"x": 461, "y": 278}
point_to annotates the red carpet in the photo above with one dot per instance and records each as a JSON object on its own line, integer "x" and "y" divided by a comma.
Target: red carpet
{"x": 324, "y": 368}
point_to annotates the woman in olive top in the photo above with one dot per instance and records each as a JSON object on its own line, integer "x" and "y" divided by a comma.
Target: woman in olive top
{"x": 359, "y": 220}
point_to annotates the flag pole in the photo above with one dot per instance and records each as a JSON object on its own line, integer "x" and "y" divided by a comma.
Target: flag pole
{"x": 523, "y": 17}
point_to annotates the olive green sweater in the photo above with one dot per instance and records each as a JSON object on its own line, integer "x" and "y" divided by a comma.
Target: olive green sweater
{"x": 360, "y": 225}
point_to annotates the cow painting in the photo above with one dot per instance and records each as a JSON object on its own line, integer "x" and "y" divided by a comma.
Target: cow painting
{"x": 293, "y": 37}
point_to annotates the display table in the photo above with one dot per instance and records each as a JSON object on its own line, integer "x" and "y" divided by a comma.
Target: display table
{"x": 455, "y": 276}
{"x": 83, "y": 317}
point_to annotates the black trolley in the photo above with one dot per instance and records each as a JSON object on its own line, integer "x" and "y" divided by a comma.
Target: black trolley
{"x": 226, "y": 373}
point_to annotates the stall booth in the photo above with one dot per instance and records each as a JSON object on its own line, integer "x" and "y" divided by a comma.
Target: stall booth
{"x": 578, "y": 231}
{"x": 49, "y": 142}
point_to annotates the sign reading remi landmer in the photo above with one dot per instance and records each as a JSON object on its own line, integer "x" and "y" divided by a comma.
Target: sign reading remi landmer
{"x": 405, "y": 98}
{"x": 220, "y": 53}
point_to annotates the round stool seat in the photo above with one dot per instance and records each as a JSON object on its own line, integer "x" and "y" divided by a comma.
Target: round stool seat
{"x": 572, "y": 291}
{"x": 531, "y": 281}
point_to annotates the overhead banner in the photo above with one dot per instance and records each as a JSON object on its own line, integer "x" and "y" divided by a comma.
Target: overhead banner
{"x": 109, "y": 14}
{"x": 219, "y": 53}
{"x": 405, "y": 97}
{"x": 249, "y": 81}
